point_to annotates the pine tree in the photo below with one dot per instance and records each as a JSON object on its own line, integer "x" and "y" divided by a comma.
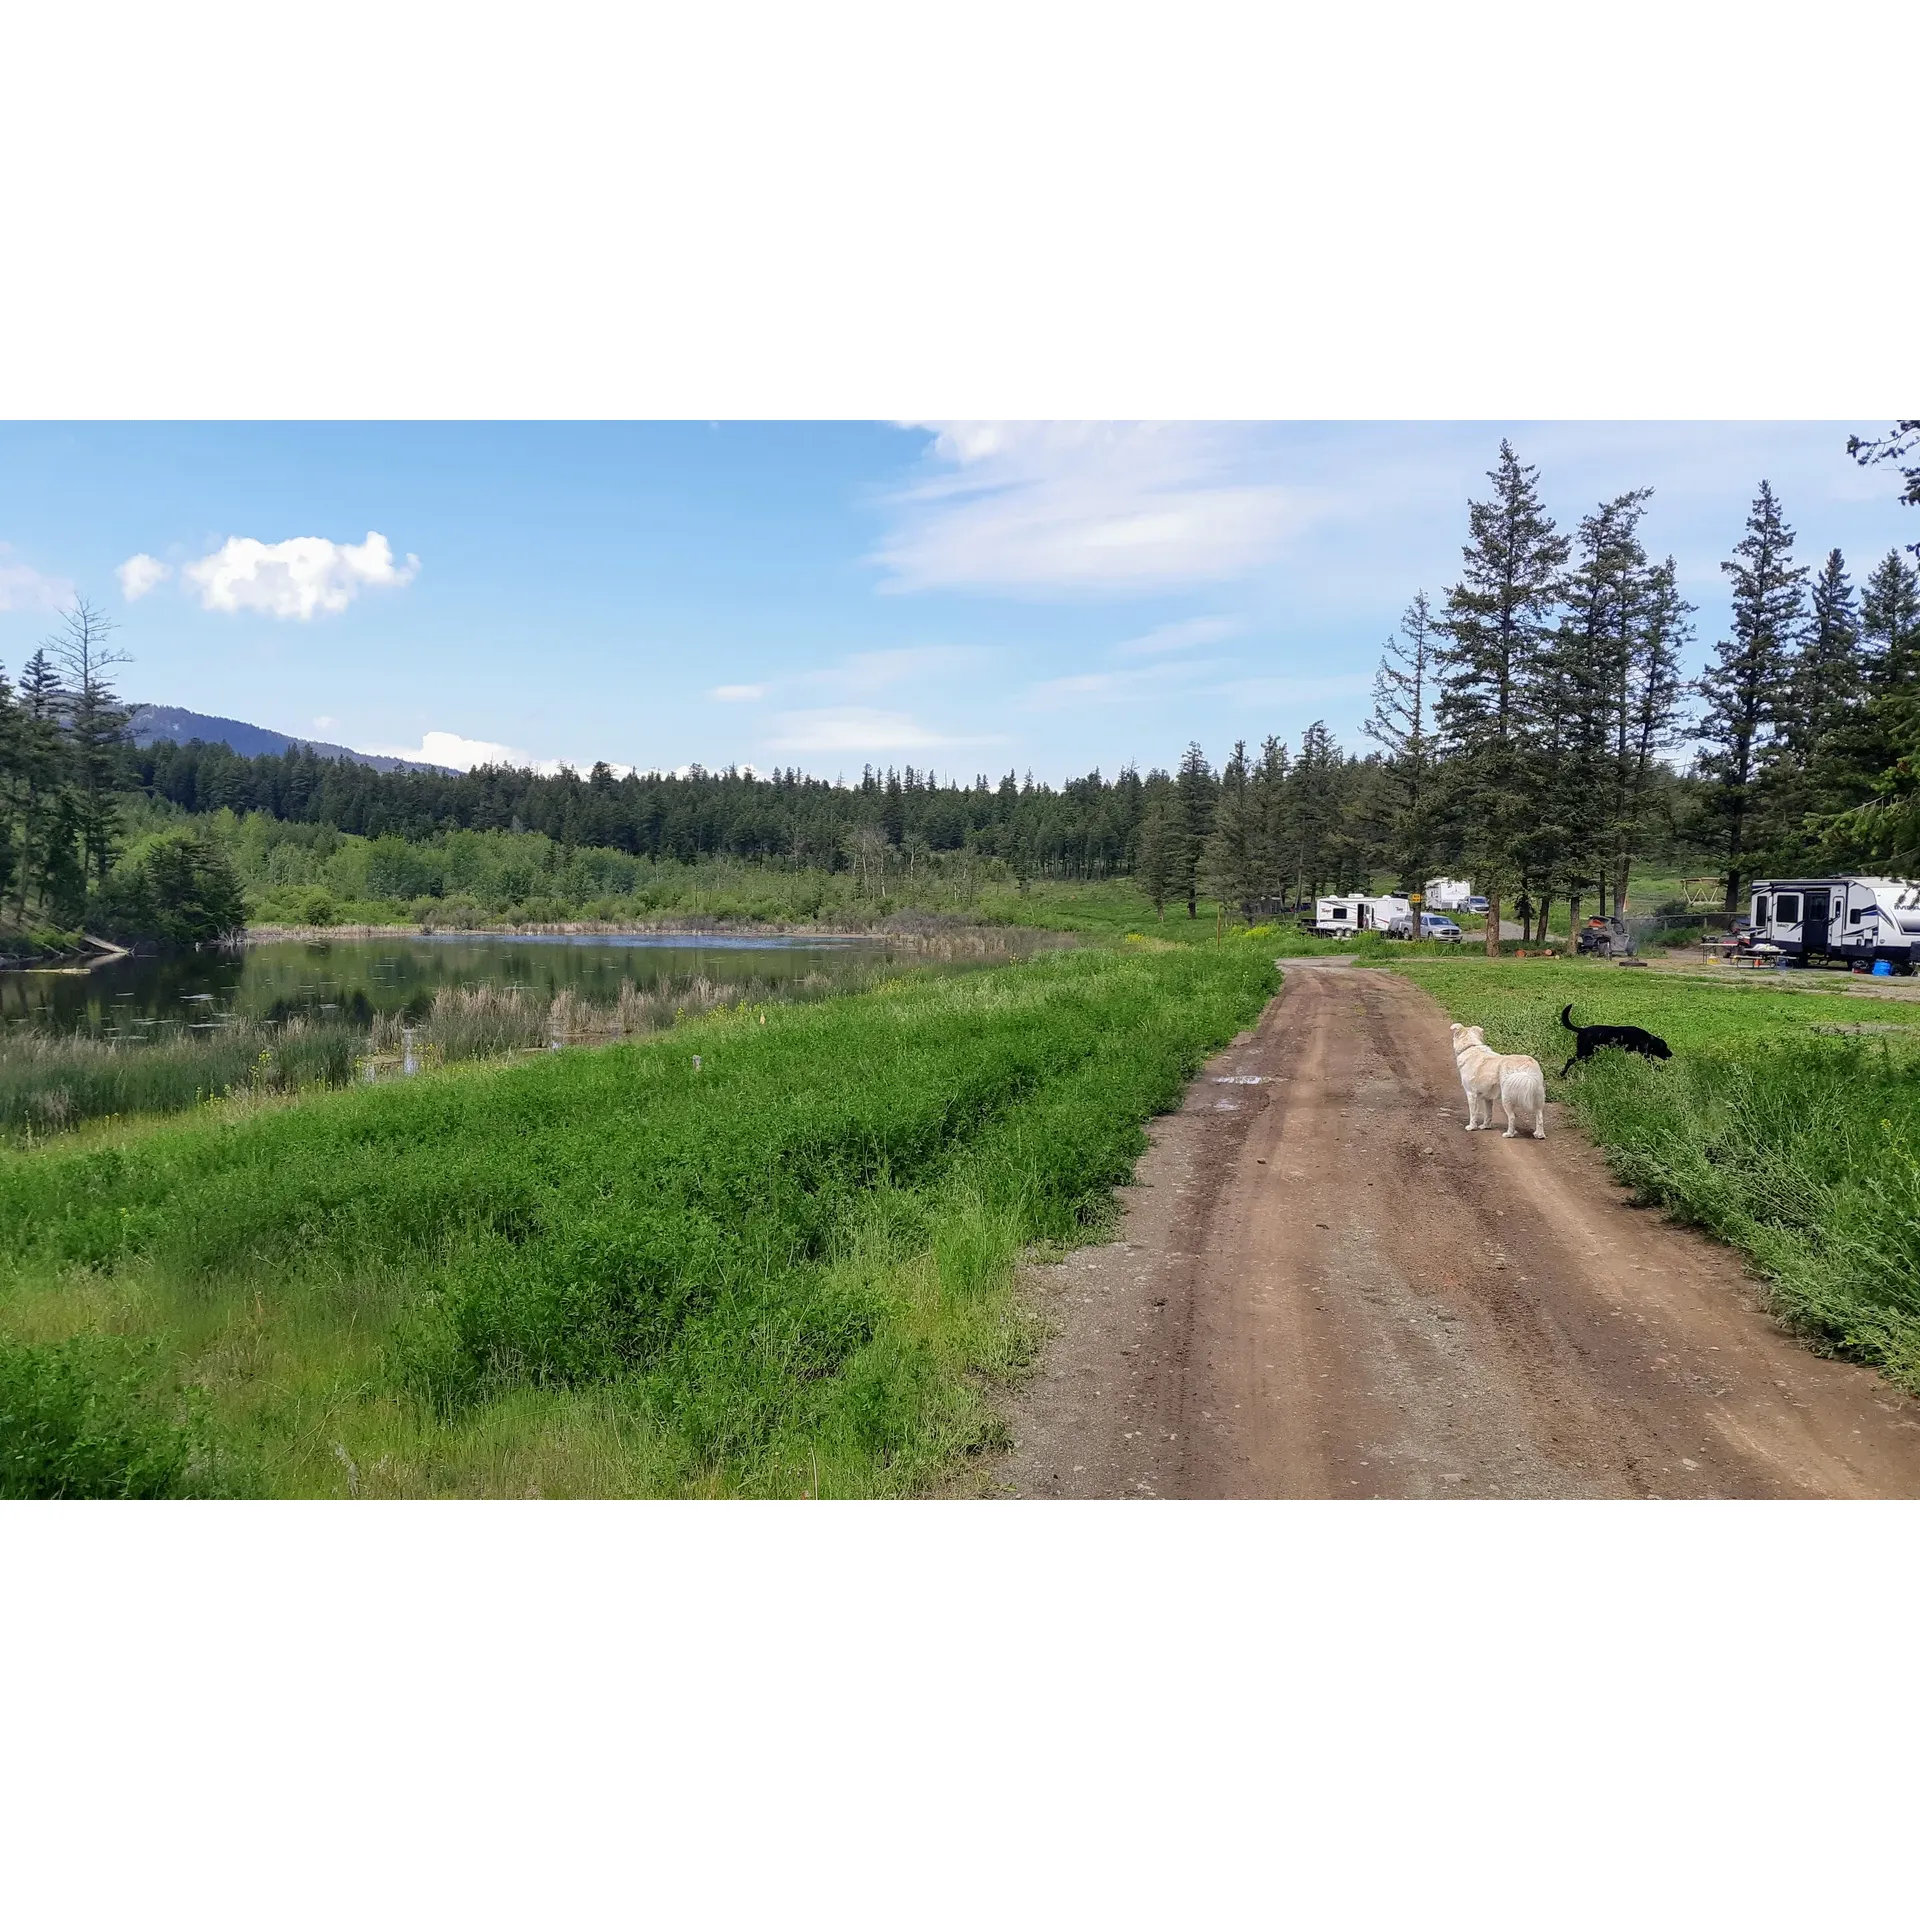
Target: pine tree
{"x": 1829, "y": 677}
{"x": 10, "y": 743}
{"x": 1231, "y": 865}
{"x": 1273, "y": 801}
{"x": 1195, "y": 790}
{"x": 49, "y": 880}
{"x": 1871, "y": 762}
{"x": 1402, "y": 722}
{"x": 1495, "y": 625}
{"x": 1661, "y": 627}
{"x": 1311, "y": 851}
{"x": 1747, "y": 683}
{"x": 96, "y": 727}
{"x": 1156, "y": 859}
{"x": 1902, "y": 443}
{"x": 1581, "y": 694}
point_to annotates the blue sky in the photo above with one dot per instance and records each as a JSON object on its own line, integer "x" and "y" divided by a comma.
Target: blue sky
{"x": 970, "y": 598}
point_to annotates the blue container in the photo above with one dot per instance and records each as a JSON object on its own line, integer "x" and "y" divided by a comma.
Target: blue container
{"x": 1883, "y": 968}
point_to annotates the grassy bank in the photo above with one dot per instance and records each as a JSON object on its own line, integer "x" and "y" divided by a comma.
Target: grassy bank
{"x": 52, "y": 1083}
{"x": 608, "y": 1271}
{"x": 1787, "y": 1124}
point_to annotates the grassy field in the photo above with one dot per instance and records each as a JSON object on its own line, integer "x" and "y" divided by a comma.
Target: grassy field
{"x": 744, "y": 1257}
{"x": 1787, "y": 1124}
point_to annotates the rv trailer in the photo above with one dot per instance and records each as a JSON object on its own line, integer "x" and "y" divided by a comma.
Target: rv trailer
{"x": 1850, "y": 917}
{"x": 1342, "y": 915}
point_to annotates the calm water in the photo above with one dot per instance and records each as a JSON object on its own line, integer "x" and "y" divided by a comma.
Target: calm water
{"x": 355, "y": 979}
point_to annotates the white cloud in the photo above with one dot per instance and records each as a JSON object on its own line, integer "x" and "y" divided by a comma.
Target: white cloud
{"x": 455, "y": 750}
{"x": 140, "y": 574}
{"x": 741, "y": 692}
{"x": 22, "y": 587}
{"x": 858, "y": 730}
{"x": 1179, "y": 636}
{"x": 325, "y": 722}
{"x": 1048, "y": 508}
{"x": 295, "y": 579}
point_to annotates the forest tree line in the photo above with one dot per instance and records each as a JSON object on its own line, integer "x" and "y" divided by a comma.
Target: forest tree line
{"x": 1535, "y": 731}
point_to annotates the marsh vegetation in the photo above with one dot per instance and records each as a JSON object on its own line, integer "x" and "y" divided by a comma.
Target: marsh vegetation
{"x": 786, "y": 1269}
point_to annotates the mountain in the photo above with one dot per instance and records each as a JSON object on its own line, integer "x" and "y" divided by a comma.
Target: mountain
{"x": 152, "y": 724}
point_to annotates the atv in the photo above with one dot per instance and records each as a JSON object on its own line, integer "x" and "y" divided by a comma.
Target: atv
{"x": 1605, "y": 937}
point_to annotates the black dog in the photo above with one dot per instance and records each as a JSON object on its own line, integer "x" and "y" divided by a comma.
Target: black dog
{"x": 1588, "y": 1040}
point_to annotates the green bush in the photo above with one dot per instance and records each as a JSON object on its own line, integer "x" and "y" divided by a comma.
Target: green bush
{"x": 81, "y": 1419}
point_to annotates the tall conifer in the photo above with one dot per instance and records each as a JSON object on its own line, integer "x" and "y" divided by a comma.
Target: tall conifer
{"x": 1402, "y": 722}
{"x": 1496, "y": 623}
{"x": 1745, "y": 686}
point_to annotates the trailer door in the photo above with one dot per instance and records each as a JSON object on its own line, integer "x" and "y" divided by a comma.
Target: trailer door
{"x": 1813, "y": 927}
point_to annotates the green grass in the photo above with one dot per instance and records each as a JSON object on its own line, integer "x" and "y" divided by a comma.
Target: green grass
{"x": 608, "y": 1272}
{"x": 1798, "y": 1145}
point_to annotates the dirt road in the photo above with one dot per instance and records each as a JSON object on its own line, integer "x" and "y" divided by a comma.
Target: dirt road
{"x": 1326, "y": 1286}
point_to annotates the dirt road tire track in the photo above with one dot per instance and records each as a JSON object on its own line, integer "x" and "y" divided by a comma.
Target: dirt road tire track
{"x": 1324, "y": 1286}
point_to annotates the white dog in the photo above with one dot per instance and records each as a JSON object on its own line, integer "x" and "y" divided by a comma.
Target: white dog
{"x": 1515, "y": 1077}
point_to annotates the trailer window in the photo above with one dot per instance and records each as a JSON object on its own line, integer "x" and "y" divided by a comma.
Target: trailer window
{"x": 1786, "y": 909}
{"x": 1339, "y": 913}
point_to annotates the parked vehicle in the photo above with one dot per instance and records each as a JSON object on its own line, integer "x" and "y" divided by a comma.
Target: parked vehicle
{"x": 1342, "y": 915}
{"x": 1436, "y": 926}
{"x": 1476, "y": 903}
{"x": 1857, "y": 919}
{"x": 1605, "y": 936}
{"x": 1444, "y": 895}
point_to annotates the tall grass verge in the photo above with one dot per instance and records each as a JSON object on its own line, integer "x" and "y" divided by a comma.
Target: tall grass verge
{"x": 52, "y": 1082}
{"x": 784, "y": 1268}
{"x": 1780, "y": 1126}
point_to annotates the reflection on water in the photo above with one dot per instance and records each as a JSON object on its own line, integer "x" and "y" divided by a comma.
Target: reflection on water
{"x": 355, "y": 980}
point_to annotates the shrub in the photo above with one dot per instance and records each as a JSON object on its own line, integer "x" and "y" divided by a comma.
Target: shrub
{"x": 81, "y": 1419}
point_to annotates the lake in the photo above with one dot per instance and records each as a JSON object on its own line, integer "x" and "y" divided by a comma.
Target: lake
{"x": 356, "y": 979}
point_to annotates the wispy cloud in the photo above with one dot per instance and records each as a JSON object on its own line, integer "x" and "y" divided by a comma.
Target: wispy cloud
{"x": 886, "y": 667}
{"x": 741, "y": 691}
{"x": 1294, "y": 690}
{"x": 140, "y": 573}
{"x": 1120, "y": 686}
{"x": 293, "y": 579}
{"x": 861, "y": 730}
{"x": 1179, "y": 636}
{"x": 1047, "y": 508}
{"x": 23, "y": 587}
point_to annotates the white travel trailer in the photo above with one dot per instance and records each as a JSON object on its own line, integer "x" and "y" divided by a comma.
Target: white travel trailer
{"x": 1447, "y": 896}
{"x": 1342, "y": 915}
{"x": 1854, "y": 918}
